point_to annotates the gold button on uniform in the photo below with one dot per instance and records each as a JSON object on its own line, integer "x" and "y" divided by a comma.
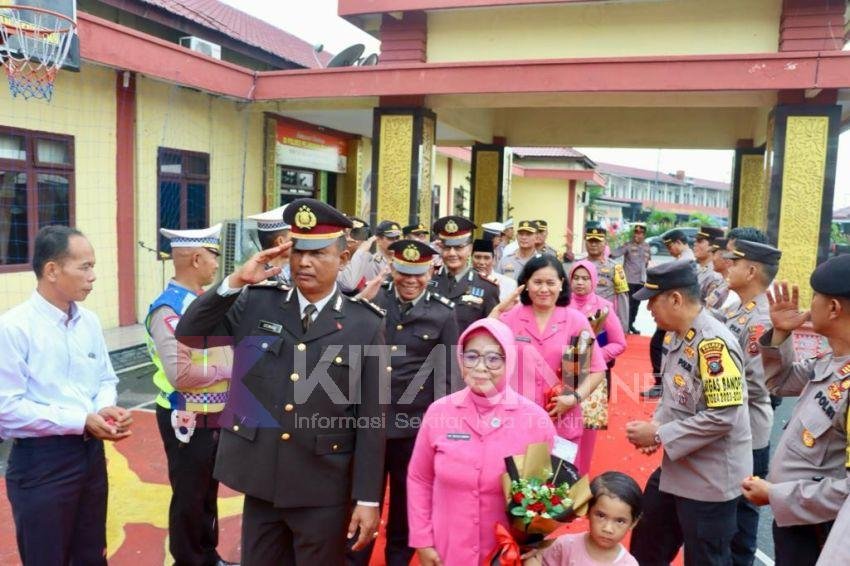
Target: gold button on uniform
{"x": 236, "y": 428}
{"x": 301, "y": 347}
{"x": 394, "y": 348}
{"x": 338, "y": 360}
{"x": 335, "y": 447}
{"x": 294, "y": 377}
{"x": 288, "y": 407}
{"x": 399, "y": 327}
{"x": 389, "y": 368}
{"x": 424, "y": 336}
{"x": 285, "y": 436}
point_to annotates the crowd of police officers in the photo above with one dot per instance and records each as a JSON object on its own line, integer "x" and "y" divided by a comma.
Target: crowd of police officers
{"x": 237, "y": 403}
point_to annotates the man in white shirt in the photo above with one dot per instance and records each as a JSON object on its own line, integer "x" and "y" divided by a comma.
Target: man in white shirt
{"x": 57, "y": 404}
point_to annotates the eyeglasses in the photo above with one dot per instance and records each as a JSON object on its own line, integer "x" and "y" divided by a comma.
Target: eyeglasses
{"x": 492, "y": 360}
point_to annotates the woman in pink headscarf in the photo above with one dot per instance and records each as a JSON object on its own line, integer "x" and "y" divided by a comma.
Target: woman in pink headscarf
{"x": 454, "y": 488}
{"x": 543, "y": 325}
{"x": 609, "y": 334}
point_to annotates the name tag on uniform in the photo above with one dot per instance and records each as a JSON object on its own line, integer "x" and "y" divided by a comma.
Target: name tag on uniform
{"x": 522, "y": 338}
{"x": 458, "y": 436}
{"x": 270, "y": 327}
{"x": 471, "y": 299}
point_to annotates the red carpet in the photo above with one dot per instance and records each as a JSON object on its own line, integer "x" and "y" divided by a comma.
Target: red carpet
{"x": 139, "y": 491}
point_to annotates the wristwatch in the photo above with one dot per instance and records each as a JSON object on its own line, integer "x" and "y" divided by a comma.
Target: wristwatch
{"x": 576, "y": 395}
{"x": 657, "y": 438}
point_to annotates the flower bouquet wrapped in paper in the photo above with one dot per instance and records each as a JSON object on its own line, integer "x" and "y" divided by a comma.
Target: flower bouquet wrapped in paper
{"x": 543, "y": 492}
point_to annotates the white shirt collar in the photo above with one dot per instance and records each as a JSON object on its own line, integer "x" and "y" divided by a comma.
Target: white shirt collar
{"x": 320, "y": 304}
{"x": 50, "y": 310}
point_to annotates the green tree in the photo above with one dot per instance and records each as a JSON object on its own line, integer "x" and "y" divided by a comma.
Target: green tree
{"x": 701, "y": 219}
{"x": 658, "y": 222}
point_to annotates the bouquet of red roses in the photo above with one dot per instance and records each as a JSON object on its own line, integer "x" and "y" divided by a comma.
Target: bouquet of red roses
{"x": 543, "y": 492}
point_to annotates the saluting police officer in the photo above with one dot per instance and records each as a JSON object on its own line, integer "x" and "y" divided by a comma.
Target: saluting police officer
{"x": 304, "y": 429}
{"x": 365, "y": 265}
{"x": 708, "y": 278}
{"x": 421, "y": 331}
{"x": 808, "y": 481}
{"x": 701, "y": 424}
{"x": 474, "y": 297}
{"x": 753, "y": 267}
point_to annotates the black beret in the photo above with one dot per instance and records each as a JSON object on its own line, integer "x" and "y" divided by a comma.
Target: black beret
{"x": 594, "y": 233}
{"x": 527, "y": 226}
{"x": 482, "y": 246}
{"x": 388, "y": 229}
{"x": 542, "y": 225}
{"x": 414, "y": 229}
{"x": 832, "y": 277}
{"x": 709, "y": 233}
{"x": 719, "y": 243}
{"x": 675, "y": 236}
{"x": 315, "y": 225}
{"x": 753, "y": 251}
{"x": 670, "y": 275}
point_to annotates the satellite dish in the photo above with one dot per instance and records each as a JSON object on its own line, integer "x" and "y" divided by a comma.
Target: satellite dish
{"x": 372, "y": 59}
{"x": 348, "y": 56}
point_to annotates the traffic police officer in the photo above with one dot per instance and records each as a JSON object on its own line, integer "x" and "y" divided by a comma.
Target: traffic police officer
{"x": 636, "y": 256}
{"x": 421, "y": 331}
{"x": 513, "y": 260}
{"x": 707, "y": 277}
{"x": 272, "y": 231}
{"x": 752, "y": 271}
{"x": 193, "y": 389}
{"x": 303, "y": 432}
{"x": 612, "y": 283}
{"x": 807, "y": 483}
{"x": 474, "y": 297}
{"x": 701, "y": 424}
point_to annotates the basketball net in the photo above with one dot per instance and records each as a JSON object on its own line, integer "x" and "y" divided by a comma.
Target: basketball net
{"x": 34, "y": 43}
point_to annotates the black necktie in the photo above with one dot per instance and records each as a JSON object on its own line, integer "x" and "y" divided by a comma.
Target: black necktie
{"x": 405, "y": 307}
{"x": 307, "y": 320}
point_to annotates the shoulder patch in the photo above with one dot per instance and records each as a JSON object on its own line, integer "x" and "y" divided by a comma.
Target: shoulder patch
{"x": 442, "y": 300}
{"x": 723, "y": 385}
{"x": 370, "y": 305}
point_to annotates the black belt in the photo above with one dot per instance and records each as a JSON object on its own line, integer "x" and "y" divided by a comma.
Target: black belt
{"x": 55, "y": 440}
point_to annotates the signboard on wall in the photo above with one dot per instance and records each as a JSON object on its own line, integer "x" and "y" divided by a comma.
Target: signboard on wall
{"x": 302, "y": 146}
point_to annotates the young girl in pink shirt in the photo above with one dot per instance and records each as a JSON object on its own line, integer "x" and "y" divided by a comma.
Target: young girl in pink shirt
{"x": 614, "y": 510}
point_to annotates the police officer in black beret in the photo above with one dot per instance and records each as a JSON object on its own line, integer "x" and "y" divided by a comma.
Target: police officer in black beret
{"x": 421, "y": 331}
{"x": 415, "y": 232}
{"x": 474, "y": 297}
{"x": 303, "y": 433}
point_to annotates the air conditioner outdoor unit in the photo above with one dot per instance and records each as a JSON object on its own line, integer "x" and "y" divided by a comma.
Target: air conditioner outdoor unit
{"x": 238, "y": 243}
{"x": 208, "y": 48}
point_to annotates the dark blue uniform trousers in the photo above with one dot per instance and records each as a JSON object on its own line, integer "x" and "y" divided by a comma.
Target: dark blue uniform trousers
{"x": 57, "y": 488}
{"x": 705, "y": 528}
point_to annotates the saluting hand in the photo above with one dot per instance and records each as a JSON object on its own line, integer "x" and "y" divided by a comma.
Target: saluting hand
{"x": 254, "y": 270}
{"x": 372, "y": 285}
{"x": 509, "y": 303}
{"x": 785, "y": 313}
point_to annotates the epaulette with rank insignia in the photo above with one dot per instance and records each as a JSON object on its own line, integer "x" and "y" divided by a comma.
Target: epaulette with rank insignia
{"x": 442, "y": 300}
{"x": 370, "y": 305}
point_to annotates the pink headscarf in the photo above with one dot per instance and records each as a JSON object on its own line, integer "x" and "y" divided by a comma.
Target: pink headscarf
{"x": 590, "y": 303}
{"x": 503, "y": 335}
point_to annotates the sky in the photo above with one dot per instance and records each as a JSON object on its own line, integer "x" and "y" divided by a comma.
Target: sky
{"x": 316, "y": 22}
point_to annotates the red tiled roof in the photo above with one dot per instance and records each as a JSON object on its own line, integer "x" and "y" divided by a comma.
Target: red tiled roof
{"x": 242, "y": 27}
{"x": 841, "y": 213}
{"x": 547, "y": 152}
{"x": 634, "y": 172}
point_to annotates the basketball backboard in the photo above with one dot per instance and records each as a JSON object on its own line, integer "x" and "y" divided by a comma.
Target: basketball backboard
{"x": 64, "y": 7}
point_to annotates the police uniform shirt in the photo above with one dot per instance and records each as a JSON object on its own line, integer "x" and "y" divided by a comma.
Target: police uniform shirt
{"x": 708, "y": 279}
{"x": 609, "y": 276}
{"x": 807, "y": 471}
{"x": 717, "y": 296}
{"x": 511, "y": 263}
{"x": 547, "y": 249}
{"x": 421, "y": 336}
{"x": 705, "y": 428}
{"x": 635, "y": 259}
{"x": 474, "y": 297}
{"x": 363, "y": 266}
{"x": 748, "y": 323}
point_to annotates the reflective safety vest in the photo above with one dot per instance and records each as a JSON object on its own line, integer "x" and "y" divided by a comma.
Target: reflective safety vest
{"x": 209, "y": 399}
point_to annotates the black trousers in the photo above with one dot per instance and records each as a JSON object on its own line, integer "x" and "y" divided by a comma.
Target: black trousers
{"x": 634, "y": 304}
{"x": 193, "y": 512}
{"x": 655, "y": 353}
{"x": 745, "y": 542}
{"x": 397, "y": 552}
{"x": 297, "y": 536}
{"x": 705, "y": 528}
{"x": 799, "y": 545}
{"x": 57, "y": 488}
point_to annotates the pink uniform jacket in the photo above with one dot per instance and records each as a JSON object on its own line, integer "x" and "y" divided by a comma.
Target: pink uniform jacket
{"x": 454, "y": 490}
{"x": 539, "y": 358}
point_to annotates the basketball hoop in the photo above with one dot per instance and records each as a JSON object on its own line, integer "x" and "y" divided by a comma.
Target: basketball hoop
{"x": 33, "y": 45}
